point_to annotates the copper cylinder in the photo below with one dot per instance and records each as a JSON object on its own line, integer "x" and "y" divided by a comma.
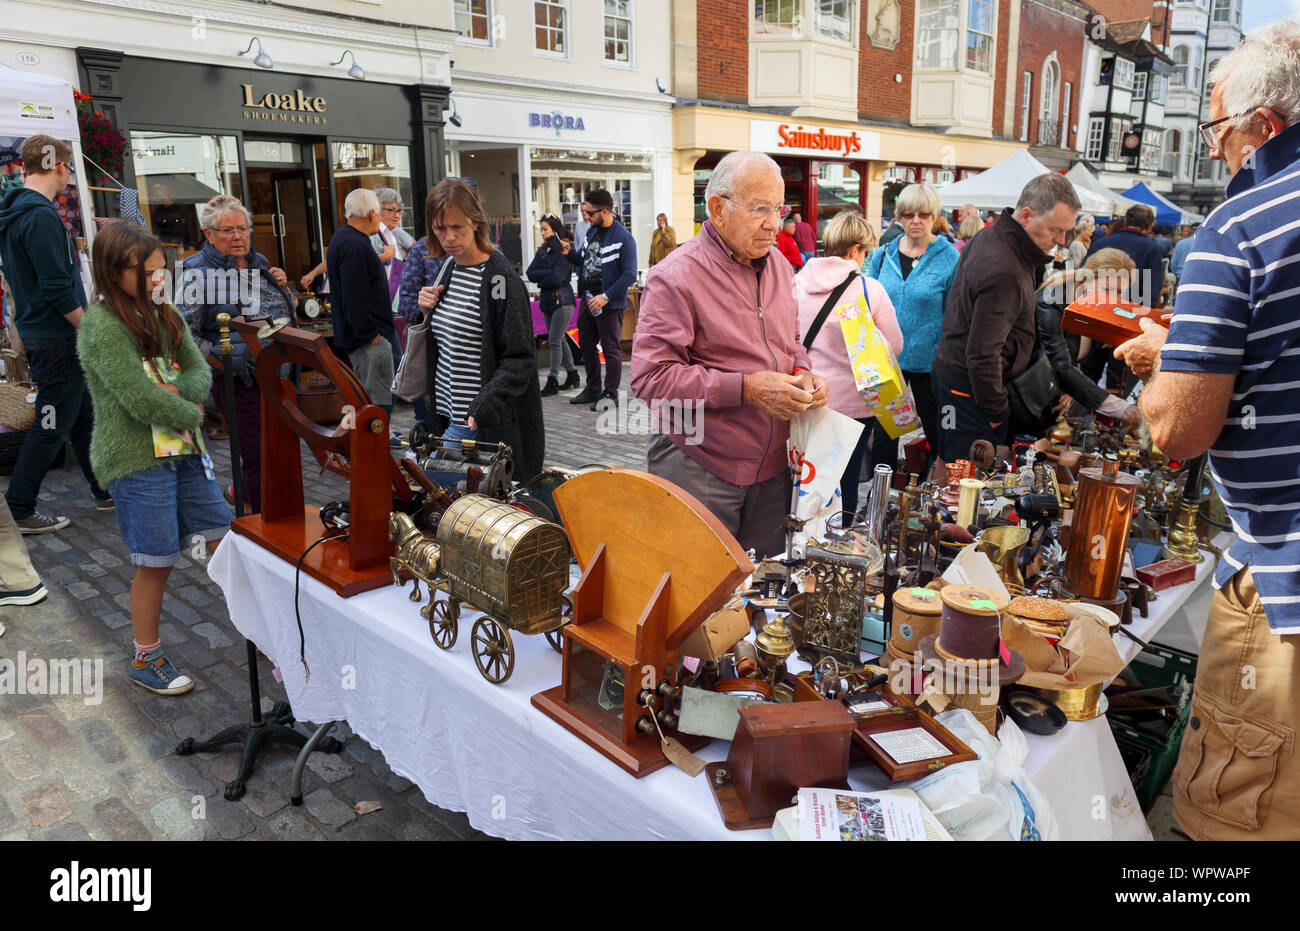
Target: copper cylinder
{"x": 1103, "y": 510}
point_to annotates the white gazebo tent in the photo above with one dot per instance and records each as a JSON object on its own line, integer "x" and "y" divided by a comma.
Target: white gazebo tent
{"x": 33, "y": 103}
{"x": 1083, "y": 179}
{"x": 1000, "y": 186}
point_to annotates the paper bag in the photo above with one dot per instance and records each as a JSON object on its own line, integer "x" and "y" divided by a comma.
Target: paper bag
{"x": 820, "y": 445}
{"x": 718, "y": 634}
{"x": 875, "y": 370}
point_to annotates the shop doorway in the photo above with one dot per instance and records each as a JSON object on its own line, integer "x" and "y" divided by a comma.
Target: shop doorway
{"x": 283, "y": 198}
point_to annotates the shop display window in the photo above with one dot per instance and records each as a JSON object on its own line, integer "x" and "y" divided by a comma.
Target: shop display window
{"x": 176, "y": 174}
{"x": 372, "y": 165}
{"x": 839, "y": 187}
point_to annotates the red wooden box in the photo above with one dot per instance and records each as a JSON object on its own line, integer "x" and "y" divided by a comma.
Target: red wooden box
{"x": 1167, "y": 573}
{"x": 1110, "y": 322}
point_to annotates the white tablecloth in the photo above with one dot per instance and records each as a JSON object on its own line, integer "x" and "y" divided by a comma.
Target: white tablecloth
{"x": 484, "y": 749}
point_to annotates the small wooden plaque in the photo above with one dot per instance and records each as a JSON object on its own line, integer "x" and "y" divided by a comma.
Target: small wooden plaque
{"x": 873, "y": 731}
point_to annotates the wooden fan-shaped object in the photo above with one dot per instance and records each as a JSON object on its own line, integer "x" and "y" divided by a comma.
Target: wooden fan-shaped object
{"x": 656, "y": 564}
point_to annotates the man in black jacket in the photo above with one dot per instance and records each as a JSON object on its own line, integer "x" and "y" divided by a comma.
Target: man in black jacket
{"x": 1134, "y": 240}
{"x": 606, "y": 268}
{"x": 988, "y": 323}
{"x": 41, "y": 267}
{"x": 362, "y": 310}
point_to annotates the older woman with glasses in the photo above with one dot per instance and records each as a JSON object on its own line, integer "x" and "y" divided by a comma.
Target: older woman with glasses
{"x": 228, "y": 276}
{"x": 916, "y": 270}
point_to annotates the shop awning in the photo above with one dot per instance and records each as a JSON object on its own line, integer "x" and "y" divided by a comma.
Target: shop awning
{"x": 1084, "y": 179}
{"x": 1000, "y": 186}
{"x": 184, "y": 189}
{"x": 1167, "y": 212}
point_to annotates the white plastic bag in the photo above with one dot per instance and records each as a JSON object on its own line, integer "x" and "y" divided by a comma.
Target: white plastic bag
{"x": 991, "y": 798}
{"x": 821, "y": 442}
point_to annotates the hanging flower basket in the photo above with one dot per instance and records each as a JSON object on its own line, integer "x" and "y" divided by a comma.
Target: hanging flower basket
{"x": 100, "y": 140}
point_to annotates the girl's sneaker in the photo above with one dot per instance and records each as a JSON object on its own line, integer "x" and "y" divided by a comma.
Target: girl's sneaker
{"x": 158, "y": 675}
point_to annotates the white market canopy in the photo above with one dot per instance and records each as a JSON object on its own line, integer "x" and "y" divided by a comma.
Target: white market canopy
{"x": 32, "y": 103}
{"x": 1083, "y": 179}
{"x": 1000, "y": 186}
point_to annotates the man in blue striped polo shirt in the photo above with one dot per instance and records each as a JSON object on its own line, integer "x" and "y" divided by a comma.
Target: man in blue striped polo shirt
{"x": 1227, "y": 380}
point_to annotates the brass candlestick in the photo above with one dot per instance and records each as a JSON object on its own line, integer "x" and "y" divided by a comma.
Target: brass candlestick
{"x": 1183, "y": 536}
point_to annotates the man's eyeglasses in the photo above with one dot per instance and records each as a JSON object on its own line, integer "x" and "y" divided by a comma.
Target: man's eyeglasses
{"x": 230, "y": 230}
{"x": 761, "y": 212}
{"x": 392, "y": 209}
{"x": 1212, "y": 138}
{"x": 592, "y": 214}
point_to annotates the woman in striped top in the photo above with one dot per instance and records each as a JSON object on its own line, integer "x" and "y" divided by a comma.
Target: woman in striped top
{"x": 483, "y": 361}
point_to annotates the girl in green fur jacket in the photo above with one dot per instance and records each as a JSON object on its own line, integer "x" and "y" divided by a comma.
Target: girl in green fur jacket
{"x": 148, "y": 383}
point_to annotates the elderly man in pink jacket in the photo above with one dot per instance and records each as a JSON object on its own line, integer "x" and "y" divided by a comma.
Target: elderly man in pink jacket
{"x": 718, "y": 331}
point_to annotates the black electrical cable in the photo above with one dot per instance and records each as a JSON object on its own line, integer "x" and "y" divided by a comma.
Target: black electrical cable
{"x": 340, "y": 533}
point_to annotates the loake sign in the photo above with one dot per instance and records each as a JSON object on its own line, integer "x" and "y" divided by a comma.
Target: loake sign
{"x": 297, "y": 107}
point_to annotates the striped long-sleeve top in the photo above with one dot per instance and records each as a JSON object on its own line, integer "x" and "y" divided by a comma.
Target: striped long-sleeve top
{"x": 1238, "y": 312}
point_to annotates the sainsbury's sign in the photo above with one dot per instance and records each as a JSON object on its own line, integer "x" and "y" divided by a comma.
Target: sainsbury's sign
{"x": 797, "y": 138}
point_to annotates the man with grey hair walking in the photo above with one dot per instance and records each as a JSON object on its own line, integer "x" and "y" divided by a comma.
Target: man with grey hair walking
{"x": 718, "y": 335}
{"x": 363, "y": 314}
{"x": 988, "y": 323}
{"x": 1222, "y": 379}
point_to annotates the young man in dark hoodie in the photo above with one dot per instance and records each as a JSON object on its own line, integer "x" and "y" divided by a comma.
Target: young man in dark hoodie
{"x": 40, "y": 264}
{"x": 988, "y": 322}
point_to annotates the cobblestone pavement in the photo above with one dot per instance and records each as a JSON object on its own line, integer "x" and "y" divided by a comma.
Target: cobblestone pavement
{"x": 73, "y": 771}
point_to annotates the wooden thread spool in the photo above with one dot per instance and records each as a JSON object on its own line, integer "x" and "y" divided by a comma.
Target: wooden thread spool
{"x": 916, "y": 616}
{"x": 971, "y": 626}
{"x": 986, "y": 712}
{"x": 904, "y": 677}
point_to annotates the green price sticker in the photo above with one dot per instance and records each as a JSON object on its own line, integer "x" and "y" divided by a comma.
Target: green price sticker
{"x": 983, "y": 603}
{"x": 922, "y": 593}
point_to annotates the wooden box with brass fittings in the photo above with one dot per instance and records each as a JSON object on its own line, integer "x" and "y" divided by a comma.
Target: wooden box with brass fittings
{"x": 653, "y": 572}
{"x": 776, "y": 751}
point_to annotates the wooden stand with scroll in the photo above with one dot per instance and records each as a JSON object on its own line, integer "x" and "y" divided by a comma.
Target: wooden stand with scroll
{"x": 656, "y": 565}
{"x": 357, "y": 447}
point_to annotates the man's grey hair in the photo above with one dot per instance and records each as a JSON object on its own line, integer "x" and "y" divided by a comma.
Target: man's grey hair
{"x": 1263, "y": 71}
{"x": 1084, "y": 222}
{"x": 218, "y": 207}
{"x": 723, "y": 180}
{"x": 360, "y": 204}
{"x": 387, "y": 195}
{"x": 1044, "y": 192}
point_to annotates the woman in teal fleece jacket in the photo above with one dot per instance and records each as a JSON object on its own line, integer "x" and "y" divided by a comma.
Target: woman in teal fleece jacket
{"x": 148, "y": 382}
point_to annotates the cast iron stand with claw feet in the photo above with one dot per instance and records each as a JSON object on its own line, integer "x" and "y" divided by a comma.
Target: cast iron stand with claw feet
{"x": 278, "y": 726}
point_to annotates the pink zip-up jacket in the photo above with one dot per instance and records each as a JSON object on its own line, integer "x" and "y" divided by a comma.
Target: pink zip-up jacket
{"x": 705, "y": 322}
{"x": 829, "y": 355}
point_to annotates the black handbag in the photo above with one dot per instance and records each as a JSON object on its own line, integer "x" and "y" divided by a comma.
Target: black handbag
{"x": 1031, "y": 395}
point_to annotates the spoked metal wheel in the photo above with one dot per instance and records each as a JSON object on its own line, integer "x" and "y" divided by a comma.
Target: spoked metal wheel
{"x": 556, "y": 638}
{"x": 494, "y": 651}
{"x": 442, "y": 623}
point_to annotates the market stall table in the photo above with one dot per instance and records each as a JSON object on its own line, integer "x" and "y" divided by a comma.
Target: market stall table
{"x": 517, "y": 774}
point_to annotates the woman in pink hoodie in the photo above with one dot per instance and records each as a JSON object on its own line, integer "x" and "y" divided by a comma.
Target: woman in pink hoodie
{"x": 847, "y": 240}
